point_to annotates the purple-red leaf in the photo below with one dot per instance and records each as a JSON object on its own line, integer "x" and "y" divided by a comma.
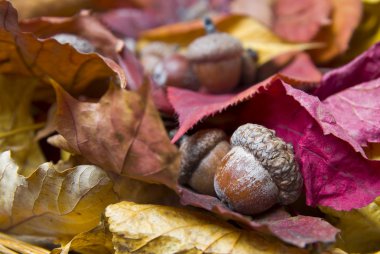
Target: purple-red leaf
{"x": 298, "y": 230}
{"x": 364, "y": 68}
{"x": 334, "y": 168}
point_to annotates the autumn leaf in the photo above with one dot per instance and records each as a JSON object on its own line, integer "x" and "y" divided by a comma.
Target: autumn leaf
{"x": 95, "y": 241}
{"x": 8, "y": 245}
{"x": 360, "y": 228}
{"x": 122, "y": 133}
{"x": 52, "y": 201}
{"x": 336, "y": 37}
{"x": 296, "y": 230}
{"x": 24, "y": 54}
{"x": 160, "y": 229}
{"x": 300, "y": 20}
{"x": 16, "y": 123}
{"x": 85, "y": 25}
{"x": 251, "y": 33}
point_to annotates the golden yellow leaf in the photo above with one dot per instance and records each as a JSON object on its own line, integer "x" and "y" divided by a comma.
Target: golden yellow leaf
{"x": 95, "y": 241}
{"x": 160, "y": 229}
{"x": 250, "y": 32}
{"x": 17, "y": 128}
{"x": 52, "y": 201}
{"x": 10, "y": 245}
{"x": 360, "y": 228}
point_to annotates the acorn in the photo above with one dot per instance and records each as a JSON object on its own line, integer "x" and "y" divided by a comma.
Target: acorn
{"x": 259, "y": 171}
{"x": 153, "y": 53}
{"x": 201, "y": 154}
{"x": 249, "y": 67}
{"x": 216, "y": 58}
{"x": 177, "y": 71}
{"x": 80, "y": 44}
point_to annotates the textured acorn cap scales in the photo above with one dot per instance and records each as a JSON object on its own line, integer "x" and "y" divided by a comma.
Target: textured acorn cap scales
{"x": 201, "y": 154}
{"x": 275, "y": 155}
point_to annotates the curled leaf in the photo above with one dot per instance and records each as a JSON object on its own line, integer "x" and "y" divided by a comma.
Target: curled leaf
{"x": 160, "y": 229}
{"x": 24, "y": 54}
{"x": 52, "y": 201}
{"x": 250, "y": 32}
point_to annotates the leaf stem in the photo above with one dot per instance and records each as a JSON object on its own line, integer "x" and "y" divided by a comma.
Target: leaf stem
{"x": 22, "y": 129}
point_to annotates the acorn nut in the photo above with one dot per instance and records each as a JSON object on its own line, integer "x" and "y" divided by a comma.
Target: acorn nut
{"x": 259, "y": 171}
{"x": 177, "y": 71}
{"x": 201, "y": 154}
{"x": 217, "y": 61}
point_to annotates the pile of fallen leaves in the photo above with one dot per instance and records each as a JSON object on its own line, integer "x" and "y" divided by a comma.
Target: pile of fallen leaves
{"x": 89, "y": 154}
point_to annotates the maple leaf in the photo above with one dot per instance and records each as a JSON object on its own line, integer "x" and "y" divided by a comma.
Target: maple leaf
{"x": 52, "y": 201}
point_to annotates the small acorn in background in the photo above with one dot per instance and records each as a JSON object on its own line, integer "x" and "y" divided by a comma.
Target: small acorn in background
{"x": 80, "y": 44}
{"x": 176, "y": 70}
{"x": 201, "y": 153}
{"x": 216, "y": 58}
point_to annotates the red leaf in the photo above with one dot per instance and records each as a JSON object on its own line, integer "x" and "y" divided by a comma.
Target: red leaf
{"x": 364, "y": 68}
{"x": 300, "y": 20}
{"x": 298, "y": 230}
{"x": 329, "y": 157}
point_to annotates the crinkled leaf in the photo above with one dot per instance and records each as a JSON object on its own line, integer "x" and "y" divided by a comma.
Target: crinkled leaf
{"x": 84, "y": 24}
{"x": 357, "y": 109}
{"x": 345, "y": 18}
{"x": 300, "y": 20}
{"x": 96, "y": 241}
{"x": 298, "y": 230}
{"x": 363, "y": 69}
{"x": 160, "y": 229}
{"x": 24, "y": 54}
{"x": 122, "y": 133}
{"x": 16, "y": 123}
{"x": 360, "y": 228}
{"x": 52, "y": 201}
{"x": 249, "y": 31}
{"x": 334, "y": 168}
{"x": 8, "y": 245}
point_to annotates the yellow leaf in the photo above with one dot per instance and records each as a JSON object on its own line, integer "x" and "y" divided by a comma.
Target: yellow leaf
{"x": 360, "y": 228}
{"x": 8, "y": 245}
{"x": 160, "y": 229}
{"x": 95, "y": 241}
{"x": 52, "y": 201}
{"x": 373, "y": 151}
{"x": 17, "y": 128}
{"x": 250, "y": 32}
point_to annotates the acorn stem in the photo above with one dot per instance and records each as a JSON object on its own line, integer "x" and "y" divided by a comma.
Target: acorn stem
{"x": 209, "y": 25}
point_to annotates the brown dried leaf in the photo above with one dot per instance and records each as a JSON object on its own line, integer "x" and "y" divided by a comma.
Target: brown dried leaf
{"x": 122, "y": 133}
{"x": 24, "y": 54}
{"x": 52, "y": 201}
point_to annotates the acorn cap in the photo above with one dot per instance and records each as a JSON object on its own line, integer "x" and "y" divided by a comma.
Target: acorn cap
{"x": 195, "y": 148}
{"x": 214, "y": 47}
{"x": 275, "y": 155}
